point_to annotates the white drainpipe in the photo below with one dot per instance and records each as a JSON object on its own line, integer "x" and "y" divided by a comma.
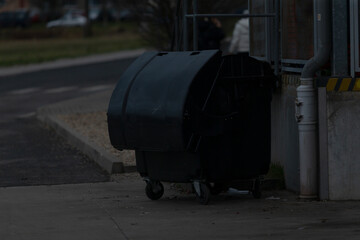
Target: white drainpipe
{"x": 306, "y": 103}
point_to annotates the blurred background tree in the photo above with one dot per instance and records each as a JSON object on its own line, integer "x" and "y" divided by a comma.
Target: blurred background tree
{"x": 156, "y": 18}
{"x": 126, "y": 24}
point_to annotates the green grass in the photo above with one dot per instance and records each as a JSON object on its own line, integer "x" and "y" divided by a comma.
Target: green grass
{"x": 36, "y": 51}
{"x": 38, "y": 44}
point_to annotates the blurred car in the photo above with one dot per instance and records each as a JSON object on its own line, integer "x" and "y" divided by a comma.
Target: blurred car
{"x": 35, "y": 15}
{"x": 70, "y": 19}
{"x": 19, "y": 18}
{"x": 94, "y": 14}
{"x": 125, "y": 15}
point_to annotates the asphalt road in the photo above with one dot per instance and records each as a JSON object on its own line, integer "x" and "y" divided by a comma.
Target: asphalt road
{"x": 31, "y": 154}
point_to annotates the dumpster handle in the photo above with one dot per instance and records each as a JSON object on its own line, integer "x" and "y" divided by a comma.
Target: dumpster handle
{"x": 203, "y": 108}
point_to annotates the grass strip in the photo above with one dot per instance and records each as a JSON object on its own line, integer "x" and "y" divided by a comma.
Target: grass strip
{"x": 20, "y": 52}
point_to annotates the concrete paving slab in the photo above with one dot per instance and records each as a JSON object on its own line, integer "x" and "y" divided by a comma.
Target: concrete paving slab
{"x": 54, "y": 213}
{"x": 120, "y": 210}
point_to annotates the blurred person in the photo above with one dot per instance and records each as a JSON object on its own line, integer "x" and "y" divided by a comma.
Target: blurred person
{"x": 240, "y": 39}
{"x": 210, "y": 34}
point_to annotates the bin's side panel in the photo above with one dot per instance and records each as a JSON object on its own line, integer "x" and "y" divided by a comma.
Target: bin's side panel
{"x": 119, "y": 95}
{"x": 155, "y": 106}
{"x": 243, "y": 150}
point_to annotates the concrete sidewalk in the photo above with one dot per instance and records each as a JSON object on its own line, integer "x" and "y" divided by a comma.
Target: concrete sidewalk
{"x": 120, "y": 210}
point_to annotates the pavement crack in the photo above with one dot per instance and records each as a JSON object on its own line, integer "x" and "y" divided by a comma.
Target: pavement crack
{"x": 113, "y": 220}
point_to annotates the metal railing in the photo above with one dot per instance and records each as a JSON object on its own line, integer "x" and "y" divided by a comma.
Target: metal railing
{"x": 195, "y": 15}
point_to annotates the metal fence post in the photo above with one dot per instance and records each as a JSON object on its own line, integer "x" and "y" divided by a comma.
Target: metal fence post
{"x": 185, "y": 29}
{"x": 277, "y": 36}
{"x": 195, "y": 27}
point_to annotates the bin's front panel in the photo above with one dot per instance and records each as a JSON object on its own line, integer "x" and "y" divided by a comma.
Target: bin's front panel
{"x": 153, "y": 105}
{"x": 169, "y": 166}
{"x": 116, "y": 105}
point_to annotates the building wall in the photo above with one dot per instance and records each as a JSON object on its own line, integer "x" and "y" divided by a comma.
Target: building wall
{"x": 343, "y": 111}
{"x": 285, "y": 136}
{"x": 341, "y": 178}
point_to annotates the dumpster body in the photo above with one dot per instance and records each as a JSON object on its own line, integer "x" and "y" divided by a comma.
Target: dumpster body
{"x": 194, "y": 117}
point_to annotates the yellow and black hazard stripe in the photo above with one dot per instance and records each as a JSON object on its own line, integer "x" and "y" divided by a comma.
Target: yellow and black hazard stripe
{"x": 340, "y": 84}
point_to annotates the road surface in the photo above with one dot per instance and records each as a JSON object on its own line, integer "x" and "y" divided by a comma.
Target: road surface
{"x": 31, "y": 154}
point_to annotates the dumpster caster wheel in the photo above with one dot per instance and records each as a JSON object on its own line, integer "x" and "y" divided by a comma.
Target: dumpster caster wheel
{"x": 256, "y": 191}
{"x": 154, "y": 190}
{"x": 202, "y": 191}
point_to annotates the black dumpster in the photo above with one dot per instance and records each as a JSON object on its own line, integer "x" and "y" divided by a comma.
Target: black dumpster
{"x": 194, "y": 117}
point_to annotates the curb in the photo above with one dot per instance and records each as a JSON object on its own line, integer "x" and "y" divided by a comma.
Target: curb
{"x": 105, "y": 160}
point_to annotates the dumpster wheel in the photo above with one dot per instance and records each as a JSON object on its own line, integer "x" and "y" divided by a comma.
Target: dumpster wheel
{"x": 154, "y": 189}
{"x": 202, "y": 191}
